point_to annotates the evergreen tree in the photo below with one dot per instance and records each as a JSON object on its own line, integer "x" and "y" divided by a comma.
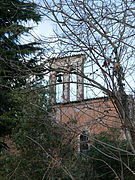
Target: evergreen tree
{"x": 17, "y": 59}
{"x": 46, "y": 150}
{"x": 112, "y": 158}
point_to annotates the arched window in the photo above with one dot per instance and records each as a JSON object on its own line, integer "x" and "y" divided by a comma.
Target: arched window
{"x": 84, "y": 147}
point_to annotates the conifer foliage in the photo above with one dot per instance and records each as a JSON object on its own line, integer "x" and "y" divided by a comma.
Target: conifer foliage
{"x": 18, "y": 58}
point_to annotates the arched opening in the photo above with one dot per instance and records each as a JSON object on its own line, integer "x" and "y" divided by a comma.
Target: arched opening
{"x": 84, "y": 147}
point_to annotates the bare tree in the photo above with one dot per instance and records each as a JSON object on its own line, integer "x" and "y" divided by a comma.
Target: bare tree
{"x": 104, "y": 31}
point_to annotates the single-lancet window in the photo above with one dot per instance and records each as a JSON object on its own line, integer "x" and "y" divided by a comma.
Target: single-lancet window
{"x": 84, "y": 146}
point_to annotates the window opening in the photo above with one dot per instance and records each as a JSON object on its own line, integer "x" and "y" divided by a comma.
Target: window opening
{"x": 84, "y": 147}
{"x": 73, "y": 87}
{"x": 59, "y": 88}
{"x": 87, "y": 89}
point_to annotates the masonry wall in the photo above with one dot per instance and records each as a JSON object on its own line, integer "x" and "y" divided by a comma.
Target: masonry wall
{"x": 93, "y": 115}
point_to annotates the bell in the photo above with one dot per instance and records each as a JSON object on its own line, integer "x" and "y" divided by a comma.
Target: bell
{"x": 59, "y": 78}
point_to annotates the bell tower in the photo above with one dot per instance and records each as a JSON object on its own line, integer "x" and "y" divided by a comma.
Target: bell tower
{"x": 62, "y": 69}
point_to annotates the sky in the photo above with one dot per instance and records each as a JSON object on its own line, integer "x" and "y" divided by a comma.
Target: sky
{"x": 45, "y": 28}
